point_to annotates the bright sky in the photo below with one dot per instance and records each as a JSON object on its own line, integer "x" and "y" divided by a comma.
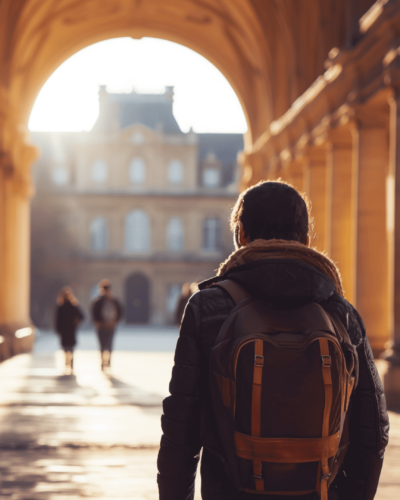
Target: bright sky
{"x": 203, "y": 98}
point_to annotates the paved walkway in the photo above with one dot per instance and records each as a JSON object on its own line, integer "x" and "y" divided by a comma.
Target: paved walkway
{"x": 65, "y": 438}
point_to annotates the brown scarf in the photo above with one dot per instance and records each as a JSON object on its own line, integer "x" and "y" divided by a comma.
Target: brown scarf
{"x": 282, "y": 249}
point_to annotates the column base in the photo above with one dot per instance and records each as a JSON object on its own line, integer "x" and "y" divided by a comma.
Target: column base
{"x": 391, "y": 379}
{"x": 391, "y": 384}
{"x": 16, "y": 339}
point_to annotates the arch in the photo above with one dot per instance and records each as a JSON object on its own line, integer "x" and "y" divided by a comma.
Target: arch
{"x": 137, "y": 299}
{"x": 175, "y": 234}
{"x": 99, "y": 234}
{"x": 137, "y": 170}
{"x": 137, "y": 232}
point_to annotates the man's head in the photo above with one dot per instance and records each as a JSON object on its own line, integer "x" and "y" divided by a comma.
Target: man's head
{"x": 271, "y": 210}
{"x": 104, "y": 286}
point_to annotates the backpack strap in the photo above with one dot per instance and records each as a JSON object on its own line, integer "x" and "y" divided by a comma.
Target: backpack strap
{"x": 237, "y": 292}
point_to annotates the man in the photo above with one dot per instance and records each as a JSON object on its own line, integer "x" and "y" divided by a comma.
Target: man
{"x": 273, "y": 263}
{"x": 106, "y": 312}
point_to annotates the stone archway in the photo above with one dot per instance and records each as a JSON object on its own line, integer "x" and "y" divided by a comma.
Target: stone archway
{"x": 270, "y": 52}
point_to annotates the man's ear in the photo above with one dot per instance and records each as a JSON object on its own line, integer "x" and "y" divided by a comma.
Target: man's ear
{"x": 243, "y": 239}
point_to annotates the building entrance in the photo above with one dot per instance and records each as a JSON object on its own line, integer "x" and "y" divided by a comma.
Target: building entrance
{"x": 137, "y": 294}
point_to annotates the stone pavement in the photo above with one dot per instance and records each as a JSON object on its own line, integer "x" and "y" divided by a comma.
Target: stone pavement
{"x": 88, "y": 435}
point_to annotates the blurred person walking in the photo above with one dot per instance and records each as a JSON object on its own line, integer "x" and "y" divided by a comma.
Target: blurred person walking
{"x": 68, "y": 316}
{"x": 106, "y": 312}
{"x": 188, "y": 289}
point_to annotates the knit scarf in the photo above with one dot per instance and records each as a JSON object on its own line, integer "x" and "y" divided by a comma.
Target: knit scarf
{"x": 282, "y": 249}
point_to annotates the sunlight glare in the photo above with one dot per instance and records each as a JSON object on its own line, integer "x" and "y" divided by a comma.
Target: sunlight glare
{"x": 204, "y": 99}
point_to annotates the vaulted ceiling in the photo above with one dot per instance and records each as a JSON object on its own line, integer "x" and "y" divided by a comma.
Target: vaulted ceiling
{"x": 269, "y": 50}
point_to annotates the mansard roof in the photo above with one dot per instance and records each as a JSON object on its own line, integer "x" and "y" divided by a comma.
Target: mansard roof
{"x": 123, "y": 110}
{"x": 224, "y": 146}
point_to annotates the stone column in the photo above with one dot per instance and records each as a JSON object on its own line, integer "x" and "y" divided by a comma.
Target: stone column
{"x": 371, "y": 148}
{"x": 339, "y": 220}
{"x": 392, "y": 377}
{"x": 15, "y": 193}
{"x": 315, "y": 184}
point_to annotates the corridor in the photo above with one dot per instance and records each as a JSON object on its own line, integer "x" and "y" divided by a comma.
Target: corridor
{"x": 88, "y": 436}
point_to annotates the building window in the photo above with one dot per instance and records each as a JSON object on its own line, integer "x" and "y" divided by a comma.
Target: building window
{"x": 173, "y": 294}
{"x": 175, "y": 172}
{"x": 175, "y": 234}
{"x": 211, "y": 177}
{"x": 99, "y": 171}
{"x": 137, "y": 231}
{"x": 60, "y": 176}
{"x": 137, "y": 138}
{"x": 137, "y": 171}
{"x": 98, "y": 231}
{"x": 211, "y": 234}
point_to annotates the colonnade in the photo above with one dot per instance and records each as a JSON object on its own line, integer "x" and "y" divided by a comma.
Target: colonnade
{"x": 349, "y": 167}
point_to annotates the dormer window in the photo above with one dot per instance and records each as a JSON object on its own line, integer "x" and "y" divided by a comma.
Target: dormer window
{"x": 137, "y": 138}
{"x": 175, "y": 172}
{"x": 211, "y": 177}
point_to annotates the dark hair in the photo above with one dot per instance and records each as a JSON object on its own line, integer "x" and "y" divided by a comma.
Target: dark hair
{"x": 272, "y": 210}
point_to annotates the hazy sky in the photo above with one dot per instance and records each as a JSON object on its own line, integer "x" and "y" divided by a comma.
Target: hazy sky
{"x": 203, "y": 98}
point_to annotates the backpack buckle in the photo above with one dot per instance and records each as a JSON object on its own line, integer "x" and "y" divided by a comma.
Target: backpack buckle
{"x": 326, "y": 476}
{"x": 260, "y": 478}
{"x": 326, "y": 361}
{"x": 258, "y": 360}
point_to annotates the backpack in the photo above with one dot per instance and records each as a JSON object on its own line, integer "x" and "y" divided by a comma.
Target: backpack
{"x": 280, "y": 383}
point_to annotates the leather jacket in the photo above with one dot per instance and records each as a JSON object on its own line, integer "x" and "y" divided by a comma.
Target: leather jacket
{"x": 188, "y": 423}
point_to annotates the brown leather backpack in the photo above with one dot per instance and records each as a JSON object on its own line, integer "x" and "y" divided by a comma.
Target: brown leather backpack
{"x": 281, "y": 382}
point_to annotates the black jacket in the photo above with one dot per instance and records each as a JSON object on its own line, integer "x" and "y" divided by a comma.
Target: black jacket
{"x": 67, "y": 319}
{"x": 188, "y": 423}
{"x": 97, "y": 307}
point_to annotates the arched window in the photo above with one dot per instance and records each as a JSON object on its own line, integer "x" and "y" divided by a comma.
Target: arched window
{"x": 211, "y": 177}
{"x": 175, "y": 172}
{"x": 137, "y": 231}
{"x": 137, "y": 171}
{"x": 98, "y": 232}
{"x": 211, "y": 234}
{"x": 99, "y": 171}
{"x": 60, "y": 175}
{"x": 175, "y": 234}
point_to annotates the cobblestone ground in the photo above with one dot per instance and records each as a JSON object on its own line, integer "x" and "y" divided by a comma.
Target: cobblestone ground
{"x": 87, "y": 435}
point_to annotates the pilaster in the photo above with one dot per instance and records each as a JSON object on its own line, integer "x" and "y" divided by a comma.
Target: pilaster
{"x": 371, "y": 157}
{"x": 339, "y": 220}
{"x": 315, "y": 184}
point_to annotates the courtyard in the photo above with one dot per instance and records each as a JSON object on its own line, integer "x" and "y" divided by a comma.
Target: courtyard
{"x": 92, "y": 436}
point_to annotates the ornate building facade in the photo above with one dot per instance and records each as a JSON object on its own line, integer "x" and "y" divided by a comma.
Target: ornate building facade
{"x": 134, "y": 200}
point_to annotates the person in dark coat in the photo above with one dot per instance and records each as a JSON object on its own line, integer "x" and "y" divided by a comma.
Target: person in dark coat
{"x": 274, "y": 263}
{"x": 106, "y": 312}
{"x": 188, "y": 289}
{"x": 68, "y": 317}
